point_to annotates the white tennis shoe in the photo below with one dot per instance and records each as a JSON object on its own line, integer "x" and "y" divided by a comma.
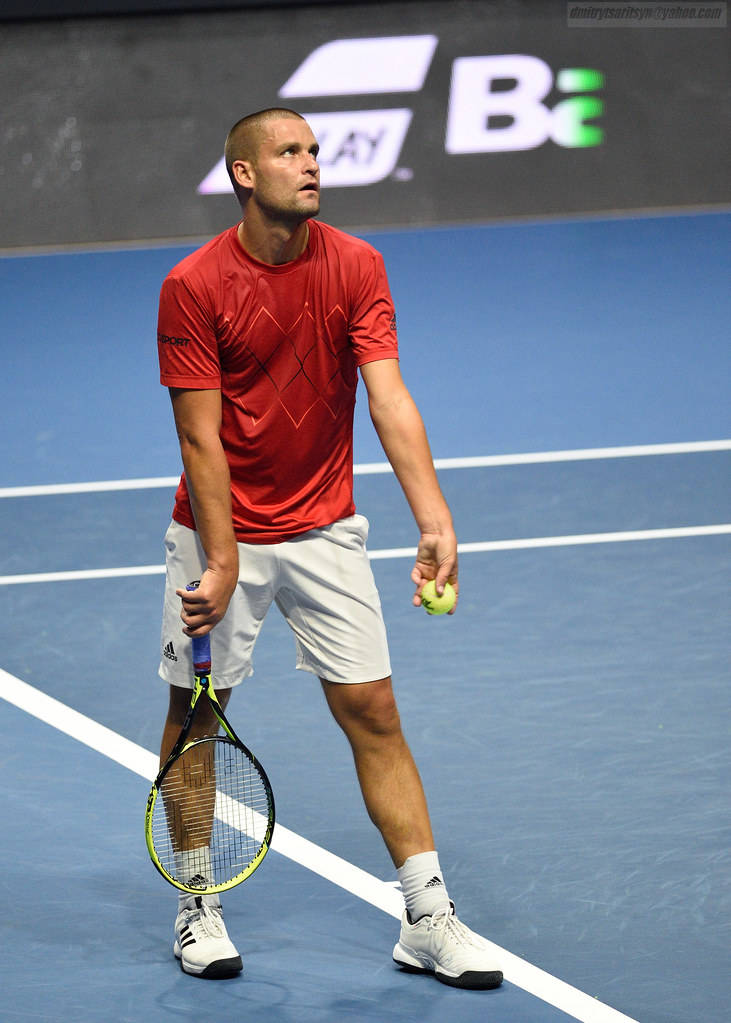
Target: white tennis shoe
{"x": 442, "y": 945}
{"x": 201, "y": 942}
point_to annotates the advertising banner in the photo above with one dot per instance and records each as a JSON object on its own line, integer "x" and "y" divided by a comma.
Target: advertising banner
{"x": 426, "y": 113}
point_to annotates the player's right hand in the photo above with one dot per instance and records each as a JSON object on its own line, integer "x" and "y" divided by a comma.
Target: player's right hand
{"x": 204, "y": 607}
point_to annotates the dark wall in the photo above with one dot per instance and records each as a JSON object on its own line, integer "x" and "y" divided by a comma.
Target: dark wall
{"x": 26, "y": 10}
{"x": 475, "y": 112}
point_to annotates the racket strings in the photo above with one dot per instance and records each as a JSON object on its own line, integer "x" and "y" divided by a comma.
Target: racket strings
{"x": 214, "y": 813}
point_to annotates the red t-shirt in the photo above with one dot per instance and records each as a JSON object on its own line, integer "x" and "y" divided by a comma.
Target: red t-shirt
{"x": 283, "y": 344}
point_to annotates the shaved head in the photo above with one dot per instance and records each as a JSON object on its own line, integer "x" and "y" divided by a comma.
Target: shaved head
{"x": 242, "y": 142}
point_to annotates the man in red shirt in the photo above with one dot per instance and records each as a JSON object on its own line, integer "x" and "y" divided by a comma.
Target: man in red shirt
{"x": 261, "y": 336}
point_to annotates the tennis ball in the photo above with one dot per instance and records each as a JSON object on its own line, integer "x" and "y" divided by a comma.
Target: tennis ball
{"x": 434, "y": 604}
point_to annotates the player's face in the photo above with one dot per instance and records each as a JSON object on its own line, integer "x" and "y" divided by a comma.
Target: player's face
{"x": 286, "y": 174}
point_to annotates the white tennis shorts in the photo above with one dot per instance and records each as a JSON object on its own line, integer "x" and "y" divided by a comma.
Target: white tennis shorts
{"x": 322, "y": 583}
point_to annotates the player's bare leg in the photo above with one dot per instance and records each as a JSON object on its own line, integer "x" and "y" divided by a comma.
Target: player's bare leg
{"x": 389, "y": 779}
{"x": 432, "y": 938}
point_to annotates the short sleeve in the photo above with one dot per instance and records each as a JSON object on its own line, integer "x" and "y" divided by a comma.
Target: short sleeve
{"x": 372, "y": 322}
{"x": 186, "y": 338}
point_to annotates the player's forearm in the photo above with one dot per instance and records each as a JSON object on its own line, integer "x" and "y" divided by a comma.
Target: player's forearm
{"x": 209, "y": 486}
{"x": 402, "y": 434}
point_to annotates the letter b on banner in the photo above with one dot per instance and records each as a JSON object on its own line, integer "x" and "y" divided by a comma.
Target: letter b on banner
{"x": 496, "y": 105}
{"x": 474, "y": 101}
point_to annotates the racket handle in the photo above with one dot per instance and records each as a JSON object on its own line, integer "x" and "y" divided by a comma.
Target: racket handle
{"x": 201, "y": 651}
{"x": 201, "y": 644}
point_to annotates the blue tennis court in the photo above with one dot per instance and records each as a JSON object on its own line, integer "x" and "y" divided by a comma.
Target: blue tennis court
{"x": 571, "y": 722}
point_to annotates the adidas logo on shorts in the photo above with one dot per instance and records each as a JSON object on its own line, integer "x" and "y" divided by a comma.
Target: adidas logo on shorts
{"x": 169, "y": 652}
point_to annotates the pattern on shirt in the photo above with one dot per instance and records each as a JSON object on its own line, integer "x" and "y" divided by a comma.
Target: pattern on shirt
{"x": 298, "y": 366}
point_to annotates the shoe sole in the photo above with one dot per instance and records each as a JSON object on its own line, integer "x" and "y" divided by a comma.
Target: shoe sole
{"x": 471, "y": 980}
{"x": 220, "y": 969}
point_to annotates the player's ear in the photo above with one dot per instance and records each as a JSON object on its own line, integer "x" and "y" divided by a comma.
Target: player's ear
{"x": 243, "y": 172}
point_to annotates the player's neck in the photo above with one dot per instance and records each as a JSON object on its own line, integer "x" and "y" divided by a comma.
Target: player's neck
{"x": 273, "y": 243}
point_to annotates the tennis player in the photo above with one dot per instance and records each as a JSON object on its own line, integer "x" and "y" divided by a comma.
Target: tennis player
{"x": 261, "y": 334}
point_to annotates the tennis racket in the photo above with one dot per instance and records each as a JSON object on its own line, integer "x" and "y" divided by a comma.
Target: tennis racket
{"x": 210, "y": 812}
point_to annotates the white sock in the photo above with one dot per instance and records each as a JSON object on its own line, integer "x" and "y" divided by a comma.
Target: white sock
{"x": 190, "y": 862}
{"x": 422, "y": 885}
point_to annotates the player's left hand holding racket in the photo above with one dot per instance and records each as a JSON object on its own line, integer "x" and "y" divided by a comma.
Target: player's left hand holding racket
{"x": 210, "y": 812}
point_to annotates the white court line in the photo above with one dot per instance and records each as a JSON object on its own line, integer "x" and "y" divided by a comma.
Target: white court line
{"x": 577, "y": 539}
{"x": 95, "y": 487}
{"x": 528, "y": 543}
{"x": 360, "y": 883}
{"x": 81, "y": 574}
{"x": 539, "y": 457}
{"x": 378, "y": 468}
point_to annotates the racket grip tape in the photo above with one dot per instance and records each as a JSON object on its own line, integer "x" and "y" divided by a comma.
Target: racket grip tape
{"x": 201, "y": 644}
{"x": 201, "y": 652}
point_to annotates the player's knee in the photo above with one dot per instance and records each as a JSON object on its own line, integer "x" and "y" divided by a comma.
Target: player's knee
{"x": 381, "y": 719}
{"x": 371, "y": 708}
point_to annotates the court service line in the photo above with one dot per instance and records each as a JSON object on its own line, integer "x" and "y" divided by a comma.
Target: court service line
{"x": 533, "y": 542}
{"x": 378, "y": 468}
{"x": 577, "y": 539}
{"x": 338, "y": 871}
{"x": 575, "y": 455}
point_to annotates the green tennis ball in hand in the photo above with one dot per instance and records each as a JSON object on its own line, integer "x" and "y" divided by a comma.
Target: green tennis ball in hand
{"x": 434, "y": 604}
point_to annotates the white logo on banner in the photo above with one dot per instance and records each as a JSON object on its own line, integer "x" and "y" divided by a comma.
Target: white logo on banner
{"x": 354, "y": 67}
